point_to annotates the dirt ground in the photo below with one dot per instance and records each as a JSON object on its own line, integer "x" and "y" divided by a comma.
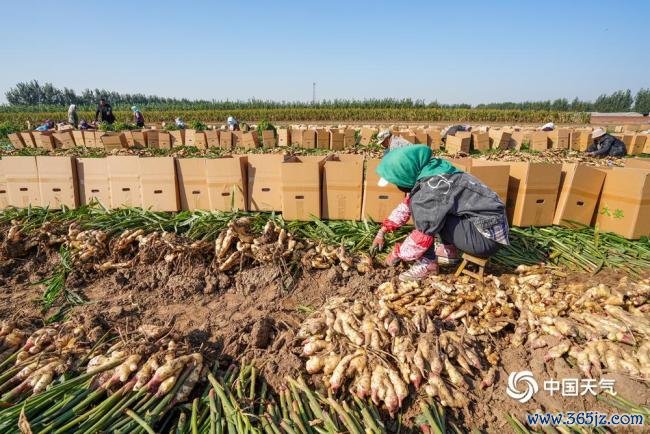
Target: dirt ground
{"x": 252, "y": 315}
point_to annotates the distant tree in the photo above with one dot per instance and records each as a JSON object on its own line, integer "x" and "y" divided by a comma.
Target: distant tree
{"x": 619, "y": 101}
{"x": 642, "y": 101}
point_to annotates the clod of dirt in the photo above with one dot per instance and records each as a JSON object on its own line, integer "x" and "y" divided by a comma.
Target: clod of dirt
{"x": 262, "y": 333}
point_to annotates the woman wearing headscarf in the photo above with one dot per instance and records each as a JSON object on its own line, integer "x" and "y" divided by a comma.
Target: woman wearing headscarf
{"x": 451, "y": 211}
{"x": 137, "y": 116}
{"x": 73, "y": 117}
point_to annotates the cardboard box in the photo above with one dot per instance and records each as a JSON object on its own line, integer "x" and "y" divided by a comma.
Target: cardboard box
{"x": 43, "y": 139}
{"x": 455, "y": 144}
{"x": 494, "y": 175}
{"x": 124, "y": 181}
{"x": 406, "y": 135}
{"x": 28, "y": 139}
{"x": 16, "y": 141}
{"x": 337, "y": 140}
{"x": 580, "y": 187}
{"x": 499, "y": 139}
{"x": 480, "y": 141}
{"x": 139, "y": 138}
{"x": 112, "y": 141}
{"x": 580, "y": 140}
{"x": 237, "y": 137}
{"x": 250, "y": 140}
{"x": 284, "y": 136}
{"x": 342, "y": 187}
{"x": 435, "y": 138}
{"x": 268, "y": 139}
{"x": 78, "y": 137}
{"x": 90, "y": 139}
{"x": 92, "y": 174}
{"x": 192, "y": 183}
{"x": 646, "y": 148}
{"x": 638, "y": 163}
{"x": 624, "y": 206}
{"x": 152, "y": 139}
{"x": 322, "y": 138}
{"x": 367, "y": 135}
{"x": 301, "y": 187}
{"x": 4, "y": 194}
{"x": 226, "y": 180}
{"x": 264, "y": 182}
{"x": 638, "y": 144}
{"x": 200, "y": 141}
{"x": 177, "y": 137}
{"x": 57, "y": 179}
{"x": 539, "y": 141}
{"x": 309, "y": 139}
{"x": 378, "y": 202}
{"x": 21, "y": 175}
{"x": 225, "y": 140}
{"x": 627, "y": 138}
{"x": 189, "y": 137}
{"x": 158, "y": 184}
{"x": 212, "y": 138}
{"x": 532, "y": 193}
{"x": 164, "y": 140}
{"x": 128, "y": 137}
{"x": 559, "y": 138}
{"x": 296, "y": 137}
{"x": 349, "y": 138}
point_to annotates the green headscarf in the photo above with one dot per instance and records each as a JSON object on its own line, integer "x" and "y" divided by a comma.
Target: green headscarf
{"x": 405, "y": 166}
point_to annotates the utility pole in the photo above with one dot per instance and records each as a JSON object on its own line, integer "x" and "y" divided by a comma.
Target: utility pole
{"x": 313, "y": 93}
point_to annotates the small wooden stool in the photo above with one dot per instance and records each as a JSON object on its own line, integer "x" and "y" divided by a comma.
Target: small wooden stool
{"x": 469, "y": 259}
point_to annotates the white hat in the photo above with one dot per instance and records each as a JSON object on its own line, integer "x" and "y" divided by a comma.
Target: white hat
{"x": 550, "y": 125}
{"x": 598, "y": 132}
{"x": 231, "y": 120}
{"x": 381, "y": 136}
{"x": 382, "y": 182}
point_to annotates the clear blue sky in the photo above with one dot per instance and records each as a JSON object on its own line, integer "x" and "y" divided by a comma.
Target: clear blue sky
{"x": 462, "y": 51}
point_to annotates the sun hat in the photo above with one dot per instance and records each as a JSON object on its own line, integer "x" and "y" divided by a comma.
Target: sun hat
{"x": 381, "y": 136}
{"x": 598, "y": 132}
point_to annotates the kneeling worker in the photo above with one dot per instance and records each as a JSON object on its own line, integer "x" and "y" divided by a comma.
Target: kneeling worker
{"x": 605, "y": 145}
{"x": 451, "y": 210}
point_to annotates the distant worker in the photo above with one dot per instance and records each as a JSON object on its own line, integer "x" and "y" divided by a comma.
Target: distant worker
{"x": 453, "y": 129}
{"x": 83, "y": 125}
{"x": 389, "y": 141}
{"x": 451, "y": 211}
{"x": 46, "y": 125}
{"x": 137, "y": 116}
{"x": 104, "y": 112}
{"x": 73, "y": 117}
{"x": 233, "y": 124}
{"x": 547, "y": 127}
{"x": 179, "y": 123}
{"x": 605, "y": 145}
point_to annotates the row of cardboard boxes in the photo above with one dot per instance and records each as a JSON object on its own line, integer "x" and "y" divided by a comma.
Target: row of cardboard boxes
{"x": 333, "y": 139}
{"x": 335, "y": 187}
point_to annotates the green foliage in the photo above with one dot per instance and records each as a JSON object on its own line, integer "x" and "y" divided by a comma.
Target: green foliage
{"x": 198, "y": 126}
{"x": 8, "y": 127}
{"x": 124, "y": 126}
{"x": 105, "y": 126}
{"x": 642, "y": 101}
{"x": 619, "y": 101}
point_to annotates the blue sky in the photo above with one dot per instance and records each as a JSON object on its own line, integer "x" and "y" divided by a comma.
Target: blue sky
{"x": 462, "y": 51}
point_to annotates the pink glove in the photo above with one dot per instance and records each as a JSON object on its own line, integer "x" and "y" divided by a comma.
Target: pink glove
{"x": 393, "y": 258}
{"x": 378, "y": 242}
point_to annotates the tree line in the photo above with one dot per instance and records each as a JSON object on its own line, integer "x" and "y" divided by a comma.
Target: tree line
{"x": 33, "y": 93}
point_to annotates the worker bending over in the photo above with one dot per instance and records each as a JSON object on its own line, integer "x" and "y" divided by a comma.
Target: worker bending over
{"x": 605, "y": 145}
{"x": 389, "y": 141}
{"x": 451, "y": 211}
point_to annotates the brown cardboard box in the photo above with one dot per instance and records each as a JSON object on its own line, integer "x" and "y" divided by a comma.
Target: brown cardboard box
{"x": 158, "y": 184}
{"x": 268, "y": 139}
{"x": 296, "y": 137}
{"x": 124, "y": 181}
{"x": 337, "y": 140}
{"x": 139, "y": 138}
{"x": 638, "y": 144}
{"x": 200, "y": 141}
{"x": 112, "y": 141}
{"x": 532, "y": 193}
{"x": 627, "y": 138}
{"x": 407, "y": 135}
{"x": 264, "y": 182}
{"x": 21, "y": 175}
{"x": 28, "y": 139}
{"x": 178, "y": 138}
{"x": 631, "y": 128}
{"x": 57, "y": 179}
{"x": 342, "y": 187}
{"x": 480, "y": 141}
{"x": 43, "y": 139}
{"x": 4, "y": 194}
{"x": 435, "y": 138}
{"x": 152, "y": 137}
{"x": 189, "y": 137}
{"x": 78, "y": 137}
{"x": 580, "y": 187}
{"x": 499, "y": 139}
{"x": 164, "y": 140}
{"x": 92, "y": 174}
{"x": 624, "y": 206}
{"x": 192, "y": 183}
{"x": 284, "y": 136}
{"x": 90, "y": 139}
{"x": 322, "y": 138}
{"x": 349, "y": 138}
{"x": 559, "y": 138}
{"x": 226, "y": 178}
{"x": 646, "y": 148}
{"x": 225, "y": 140}
{"x": 638, "y": 163}
{"x": 492, "y": 174}
{"x": 539, "y": 141}
{"x": 16, "y": 141}
{"x": 580, "y": 140}
{"x": 63, "y": 139}
{"x": 301, "y": 187}
{"x": 250, "y": 140}
{"x": 212, "y": 137}
{"x": 128, "y": 137}
{"x": 367, "y": 135}
{"x": 309, "y": 139}
{"x": 456, "y": 144}
{"x": 237, "y": 137}
{"x": 378, "y": 202}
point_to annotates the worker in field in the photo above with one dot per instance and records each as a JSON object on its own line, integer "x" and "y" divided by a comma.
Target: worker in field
{"x": 138, "y": 118}
{"x": 104, "y": 112}
{"x": 390, "y": 141}
{"x": 451, "y": 211}
{"x": 452, "y": 130}
{"x": 73, "y": 117}
{"x": 605, "y": 145}
{"x": 46, "y": 125}
{"x": 233, "y": 124}
{"x": 547, "y": 127}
